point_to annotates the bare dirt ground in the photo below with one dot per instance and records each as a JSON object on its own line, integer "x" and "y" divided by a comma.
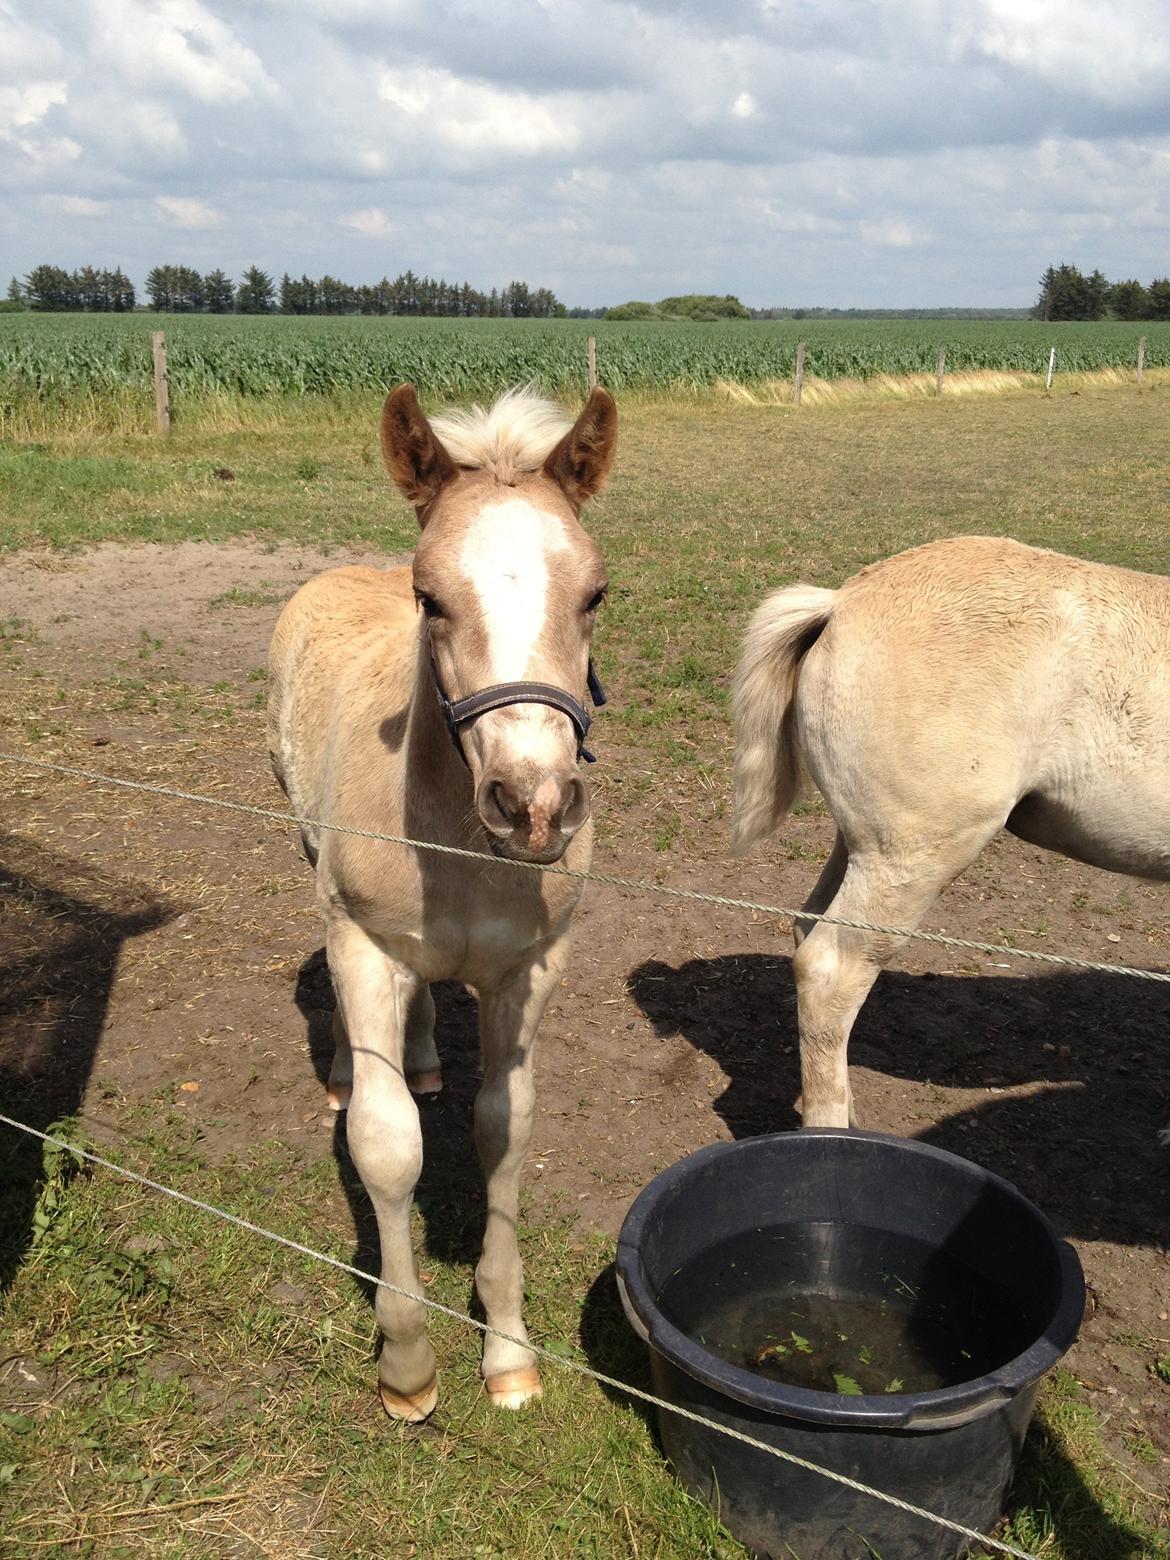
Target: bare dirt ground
{"x": 154, "y": 951}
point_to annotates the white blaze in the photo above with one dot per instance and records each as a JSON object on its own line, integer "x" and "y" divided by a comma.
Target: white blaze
{"x": 507, "y": 555}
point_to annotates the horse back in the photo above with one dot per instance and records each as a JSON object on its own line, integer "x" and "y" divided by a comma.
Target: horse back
{"x": 982, "y": 678}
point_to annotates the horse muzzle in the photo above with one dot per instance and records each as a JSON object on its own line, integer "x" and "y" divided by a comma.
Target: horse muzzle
{"x": 532, "y": 823}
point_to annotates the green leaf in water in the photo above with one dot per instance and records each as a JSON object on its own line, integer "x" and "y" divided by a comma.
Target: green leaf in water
{"x": 846, "y": 1385}
{"x": 771, "y": 1351}
{"x": 800, "y": 1343}
{"x": 863, "y": 1355}
{"x": 894, "y": 1385}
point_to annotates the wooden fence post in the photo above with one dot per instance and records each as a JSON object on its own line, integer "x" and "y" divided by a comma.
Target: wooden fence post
{"x": 162, "y": 393}
{"x": 1051, "y": 366}
{"x": 1141, "y": 359}
{"x": 798, "y": 377}
{"x": 592, "y": 364}
{"x": 942, "y": 363}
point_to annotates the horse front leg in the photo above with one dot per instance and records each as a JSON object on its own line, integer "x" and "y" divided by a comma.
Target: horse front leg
{"x": 504, "y": 1106}
{"x": 374, "y": 994}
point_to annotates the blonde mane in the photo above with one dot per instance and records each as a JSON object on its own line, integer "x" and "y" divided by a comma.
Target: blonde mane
{"x": 514, "y": 435}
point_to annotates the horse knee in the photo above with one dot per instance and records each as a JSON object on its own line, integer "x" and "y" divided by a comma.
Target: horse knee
{"x": 385, "y": 1143}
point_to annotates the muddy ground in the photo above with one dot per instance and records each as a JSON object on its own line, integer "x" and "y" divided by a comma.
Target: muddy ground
{"x": 150, "y": 949}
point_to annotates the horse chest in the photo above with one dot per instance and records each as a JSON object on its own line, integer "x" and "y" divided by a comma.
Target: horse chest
{"x": 447, "y": 924}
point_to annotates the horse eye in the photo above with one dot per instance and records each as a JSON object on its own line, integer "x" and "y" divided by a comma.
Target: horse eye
{"x": 429, "y": 605}
{"x": 598, "y": 599}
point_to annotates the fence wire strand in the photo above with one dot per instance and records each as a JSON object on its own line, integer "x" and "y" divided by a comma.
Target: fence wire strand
{"x": 564, "y": 1362}
{"x": 637, "y": 885}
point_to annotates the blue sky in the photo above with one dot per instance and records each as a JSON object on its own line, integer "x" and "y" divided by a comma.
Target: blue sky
{"x": 890, "y": 153}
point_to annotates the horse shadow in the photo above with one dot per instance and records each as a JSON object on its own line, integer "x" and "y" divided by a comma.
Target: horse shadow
{"x": 449, "y": 1197}
{"x": 60, "y": 955}
{"x": 1082, "y": 1143}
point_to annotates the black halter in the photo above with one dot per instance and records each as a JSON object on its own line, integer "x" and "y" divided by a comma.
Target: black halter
{"x": 457, "y": 712}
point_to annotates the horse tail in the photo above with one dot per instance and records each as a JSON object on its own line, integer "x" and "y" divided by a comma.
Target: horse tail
{"x": 768, "y": 767}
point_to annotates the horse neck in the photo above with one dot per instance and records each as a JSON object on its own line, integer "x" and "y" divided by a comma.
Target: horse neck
{"x": 437, "y": 783}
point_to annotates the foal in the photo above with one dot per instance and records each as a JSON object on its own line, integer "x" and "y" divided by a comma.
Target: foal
{"x": 941, "y": 695}
{"x": 443, "y": 703}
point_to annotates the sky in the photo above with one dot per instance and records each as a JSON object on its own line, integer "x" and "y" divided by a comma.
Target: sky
{"x": 844, "y": 153}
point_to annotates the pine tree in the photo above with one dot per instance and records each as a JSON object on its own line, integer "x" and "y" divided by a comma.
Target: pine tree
{"x": 218, "y": 293}
{"x": 255, "y": 293}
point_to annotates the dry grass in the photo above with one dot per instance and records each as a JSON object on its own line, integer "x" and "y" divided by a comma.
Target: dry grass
{"x": 908, "y": 387}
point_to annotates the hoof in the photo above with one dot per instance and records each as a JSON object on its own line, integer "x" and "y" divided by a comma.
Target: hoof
{"x": 338, "y": 1095}
{"x": 411, "y": 1407}
{"x": 425, "y": 1082}
{"x": 514, "y": 1388}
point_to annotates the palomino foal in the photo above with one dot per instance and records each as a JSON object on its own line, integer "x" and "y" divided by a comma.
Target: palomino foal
{"x": 939, "y": 696}
{"x": 443, "y": 703}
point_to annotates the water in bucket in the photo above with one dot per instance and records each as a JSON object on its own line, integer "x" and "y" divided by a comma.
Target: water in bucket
{"x": 845, "y": 1309}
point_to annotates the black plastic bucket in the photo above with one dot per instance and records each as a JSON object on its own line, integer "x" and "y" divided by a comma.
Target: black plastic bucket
{"x": 952, "y": 1451}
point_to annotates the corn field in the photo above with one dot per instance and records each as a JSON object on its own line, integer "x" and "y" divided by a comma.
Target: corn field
{"x": 56, "y": 358}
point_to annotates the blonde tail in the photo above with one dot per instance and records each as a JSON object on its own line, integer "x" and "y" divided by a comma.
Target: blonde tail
{"x": 768, "y": 769}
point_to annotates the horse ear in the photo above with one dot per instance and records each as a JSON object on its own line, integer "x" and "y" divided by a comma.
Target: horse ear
{"x": 415, "y": 459}
{"x": 580, "y": 462}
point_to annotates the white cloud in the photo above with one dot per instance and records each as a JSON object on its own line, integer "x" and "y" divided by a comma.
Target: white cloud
{"x": 1078, "y": 46}
{"x": 26, "y": 49}
{"x": 475, "y": 117}
{"x": 371, "y": 223}
{"x": 744, "y": 107}
{"x": 22, "y": 107}
{"x": 887, "y": 233}
{"x": 186, "y": 212}
{"x": 179, "y": 43}
{"x": 74, "y": 205}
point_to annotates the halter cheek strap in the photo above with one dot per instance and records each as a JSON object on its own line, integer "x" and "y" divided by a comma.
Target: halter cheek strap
{"x": 457, "y": 712}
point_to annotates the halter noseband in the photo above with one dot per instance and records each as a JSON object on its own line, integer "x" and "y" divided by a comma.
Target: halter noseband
{"x": 458, "y": 711}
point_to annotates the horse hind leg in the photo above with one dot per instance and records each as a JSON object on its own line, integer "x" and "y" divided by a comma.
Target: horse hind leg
{"x": 424, "y": 1075}
{"x": 826, "y": 890}
{"x": 340, "y": 1086}
{"x": 835, "y": 966}
{"x": 818, "y": 902}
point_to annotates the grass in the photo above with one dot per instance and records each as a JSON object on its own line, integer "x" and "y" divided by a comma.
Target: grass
{"x": 190, "y": 1389}
{"x": 184, "y": 1384}
{"x": 181, "y": 1385}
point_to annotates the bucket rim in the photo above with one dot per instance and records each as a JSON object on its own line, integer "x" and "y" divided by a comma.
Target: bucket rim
{"x": 938, "y": 1409}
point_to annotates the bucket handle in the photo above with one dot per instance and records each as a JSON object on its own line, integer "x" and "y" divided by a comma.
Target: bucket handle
{"x": 951, "y": 1419}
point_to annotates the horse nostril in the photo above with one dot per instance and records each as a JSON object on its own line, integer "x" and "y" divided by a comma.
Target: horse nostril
{"x": 500, "y": 806}
{"x": 575, "y": 808}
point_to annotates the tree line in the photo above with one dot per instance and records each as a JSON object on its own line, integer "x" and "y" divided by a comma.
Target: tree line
{"x": 1067, "y": 294}
{"x": 88, "y": 290}
{"x": 179, "y": 289}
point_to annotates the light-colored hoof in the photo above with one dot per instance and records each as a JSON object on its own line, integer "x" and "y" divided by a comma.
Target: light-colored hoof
{"x": 514, "y": 1388}
{"x": 338, "y": 1095}
{"x": 425, "y": 1082}
{"x": 411, "y": 1407}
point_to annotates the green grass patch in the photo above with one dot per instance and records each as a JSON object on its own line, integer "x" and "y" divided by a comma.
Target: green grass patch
{"x": 183, "y": 1382}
